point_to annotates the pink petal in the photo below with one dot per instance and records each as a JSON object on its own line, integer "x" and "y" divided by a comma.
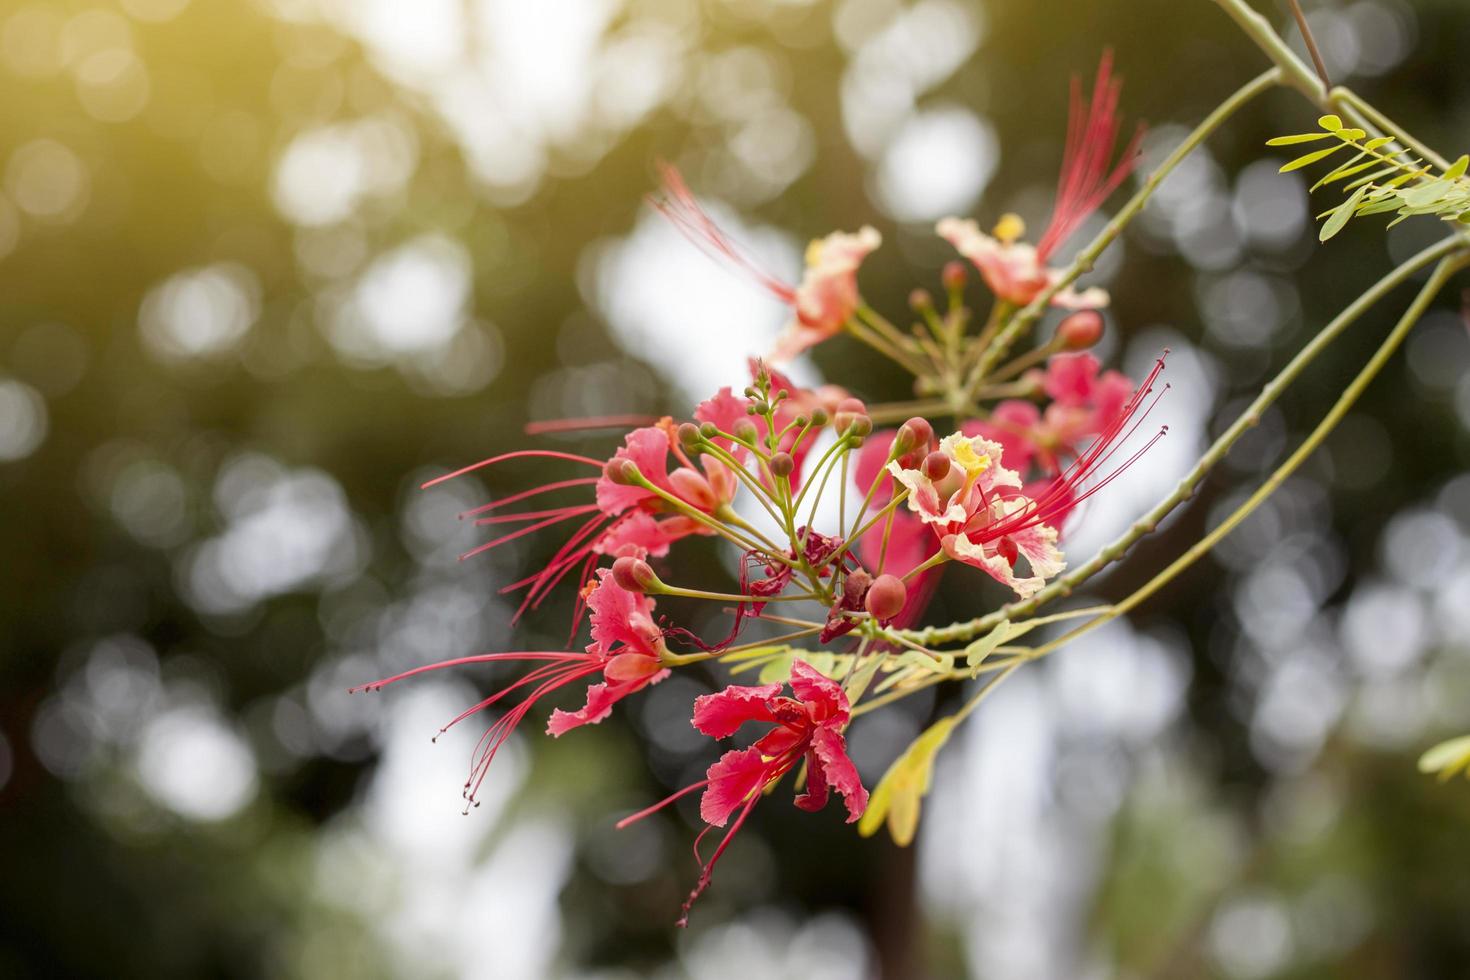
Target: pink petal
{"x": 649, "y": 449}
{"x": 725, "y": 410}
{"x": 621, "y": 617}
{"x": 1012, "y": 424}
{"x": 636, "y": 534}
{"x": 719, "y": 715}
{"x": 1070, "y": 377}
{"x": 600, "y": 701}
{"x": 873, "y": 457}
{"x": 738, "y": 775}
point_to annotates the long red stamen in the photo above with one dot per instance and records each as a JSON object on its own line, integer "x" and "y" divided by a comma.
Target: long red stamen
{"x": 591, "y": 422}
{"x": 478, "y": 658}
{"x": 535, "y": 453}
{"x": 530, "y": 515}
{"x": 581, "y": 481}
{"x": 679, "y": 205}
{"x": 1067, "y": 490}
{"x": 1087, "y": 177}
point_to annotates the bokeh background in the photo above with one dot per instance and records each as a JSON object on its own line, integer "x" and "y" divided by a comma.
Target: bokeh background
{"x": 267, "y": 265}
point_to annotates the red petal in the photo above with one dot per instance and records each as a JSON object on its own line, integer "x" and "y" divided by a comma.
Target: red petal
{"x": 816, "y": 690}
{"x": 600, "y": 701}
{"x": 830, "y": 749}
{"x": 720, "y": 715}
{"x": 733, "y": 780}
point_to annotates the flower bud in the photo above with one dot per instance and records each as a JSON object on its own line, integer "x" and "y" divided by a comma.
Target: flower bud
{"x": 1034, "y": 382}
{"x": 913, "y": 434}
{"x": 746, "y": 431}
{"x": 936, "y": 466}
{"x": 849, "y": 410}
{"x": 861, "y": 427}
{"x": 954, "y": 276}
{"x": 820, "y": 418}
{"x": 634, "y": 575}
{"x": 886, "y": 597}
{"x": 622, "y": 471}
{"x": 688, "y": 434}
{"x": 920, "y": 301}
{"x": 1080, "y": 330}
{"x": 782, "y": 465}
{"x": 709, "y": 430}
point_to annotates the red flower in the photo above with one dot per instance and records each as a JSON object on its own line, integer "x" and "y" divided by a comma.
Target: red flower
{"x": 627, "y": 649}
{"x": 807, "y": 726}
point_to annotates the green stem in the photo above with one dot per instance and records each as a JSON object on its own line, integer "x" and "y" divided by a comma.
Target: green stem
{"x": 1064, "y": 586}
{"x": 1023, "y": 320}
{"x": 1299, "y": 76}
{"x": 1442, "y": 273}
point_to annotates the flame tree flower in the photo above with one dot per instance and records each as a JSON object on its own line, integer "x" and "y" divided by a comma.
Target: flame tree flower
{"x": 826, "y": 297}
{"x": 627, "y": 648}
{"x": 1017, "y": 272}
{"x": 807, "y": 726}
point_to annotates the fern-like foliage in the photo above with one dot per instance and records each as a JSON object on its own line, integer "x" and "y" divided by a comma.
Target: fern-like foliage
{"x": 1381, "y": 177}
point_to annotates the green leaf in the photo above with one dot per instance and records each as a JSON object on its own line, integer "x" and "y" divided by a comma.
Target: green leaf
{"x": 1310, "y": 158}
{"x": 1457, "y": 169}
{"x": 898, "y": 796}
{"x": 1298, "y": 138}
{"x": 1345, "y": 170}
{"x": 1341, "y": 214}
{"x": 1378, "y": 142}
{"x": 1447, "y": 758}
{"x": 1330, "y": 123}
{"x": 1350, "y": 135}
{"x": 977, "y": 651}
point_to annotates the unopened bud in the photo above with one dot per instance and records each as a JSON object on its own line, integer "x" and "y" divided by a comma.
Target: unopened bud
{"x": 920, "y": 301}
{"x": 936, "y": 466}
{"x": 782, "y": 464}
{"x": 622, "y": 471}
{"x": 746, "y": 431}
{"x": 1034, "y": 382}
{"x": 886, "y": 597}
{"x": 954, "y": 276}
{"x": 913, "y": 434}
{"x": 689, "y": 434}
{"x": 860, "y": 428}
{"x": 1080, "y": 330}
{"x": 820, "y": 418}
{"x": 634, "y": 575}
{"x": 849, "y": 410}
{"x": 709, "y": 430}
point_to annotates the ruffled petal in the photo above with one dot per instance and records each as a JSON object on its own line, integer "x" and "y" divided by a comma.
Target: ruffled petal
{"x": 621, "y": 617}
{"x": 823, "y": 696}
{"x": 649, "y": 449}
{"x": 737, "y": 775}
{"x": 600, "y": 700}
{"x": 961, "y": 548}
{"x": 721, "y": 714}
{"x": 830, "y": 758}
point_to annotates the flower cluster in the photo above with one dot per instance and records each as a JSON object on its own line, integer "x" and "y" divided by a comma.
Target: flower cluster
{"x": 840, "y": 519}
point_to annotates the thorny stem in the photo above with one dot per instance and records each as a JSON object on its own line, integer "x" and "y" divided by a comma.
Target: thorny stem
{"x": 1023, "y": 320}
{"x": 1064, "y": 586}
